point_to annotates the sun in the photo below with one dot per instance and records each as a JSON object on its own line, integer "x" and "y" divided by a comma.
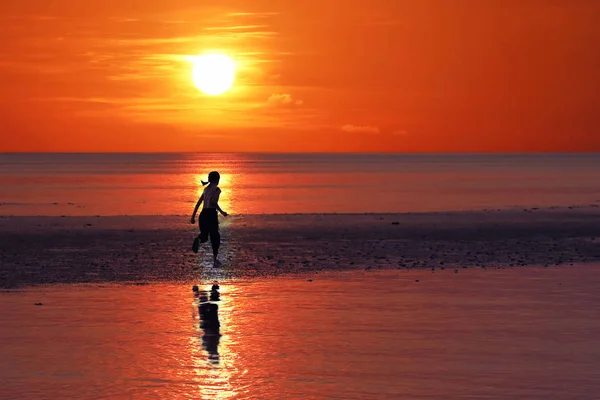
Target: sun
{"x": 213, "y": 74}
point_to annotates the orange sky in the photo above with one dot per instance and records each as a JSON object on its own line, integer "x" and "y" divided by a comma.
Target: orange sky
{"x": 313, "y": 75}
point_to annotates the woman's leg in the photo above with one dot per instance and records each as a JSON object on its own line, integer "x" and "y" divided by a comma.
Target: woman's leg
{"x": 204, "y": 226}
{"x": 215, "y": 241}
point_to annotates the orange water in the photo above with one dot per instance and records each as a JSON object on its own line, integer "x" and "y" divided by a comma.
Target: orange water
{"x": 166, "y": 184}
{"x": 510, "y": 334}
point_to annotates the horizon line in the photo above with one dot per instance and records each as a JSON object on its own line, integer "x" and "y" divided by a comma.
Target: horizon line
{"x": 533, "y": 152}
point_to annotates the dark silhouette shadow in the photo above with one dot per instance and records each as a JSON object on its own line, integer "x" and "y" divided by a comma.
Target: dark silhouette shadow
{"x": 208, "y": 221}
{"x": 209, "y": 321}
{"x": 214, "y": 293}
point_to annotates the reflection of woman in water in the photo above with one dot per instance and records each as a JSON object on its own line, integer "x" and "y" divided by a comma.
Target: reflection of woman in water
{"x": 209, "y": 322}
{"x": 208, "y": 220}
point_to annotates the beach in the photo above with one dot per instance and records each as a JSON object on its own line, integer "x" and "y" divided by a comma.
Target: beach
{"x": 44, "y": 250}
{"x": 526, "y": 333}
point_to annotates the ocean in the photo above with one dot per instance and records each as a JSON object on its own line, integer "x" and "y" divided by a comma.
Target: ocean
{"x": 443, "y": 287}
{"x": 169, "y": 183}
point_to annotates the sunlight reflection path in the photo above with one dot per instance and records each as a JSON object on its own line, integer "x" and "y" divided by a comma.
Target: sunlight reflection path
{"x": 215, "y": 361}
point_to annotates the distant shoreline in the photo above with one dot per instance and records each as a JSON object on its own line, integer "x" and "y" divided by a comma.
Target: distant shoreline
{"x": 594, "y": 208}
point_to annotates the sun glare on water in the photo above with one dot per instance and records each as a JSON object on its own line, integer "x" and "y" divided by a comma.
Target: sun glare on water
{"x": 213, "y": 74}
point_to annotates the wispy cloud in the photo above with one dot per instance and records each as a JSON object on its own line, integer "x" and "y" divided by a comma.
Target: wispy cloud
{"x": 32, "y": 17}
{"x": 236, "y": 28}
{"x": 283, "y": 100}
{"x": 253, "y": 14}
{"x": 138, "y": 68}
{"x": 360, "y": 129}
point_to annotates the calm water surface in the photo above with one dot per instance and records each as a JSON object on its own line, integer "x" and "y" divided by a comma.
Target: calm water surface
{"x": 112, "y": 184}
{"x": 511, "y": 334}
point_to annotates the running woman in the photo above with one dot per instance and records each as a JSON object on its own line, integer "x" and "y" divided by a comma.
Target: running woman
{"x": 208, "y": 220}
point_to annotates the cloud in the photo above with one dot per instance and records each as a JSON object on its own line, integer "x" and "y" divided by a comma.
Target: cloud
{"x": 236, "y": 28}
{"x": 283, "y": 100}
{"x": 360, "y": 129}
{"x": 253, "y": 14}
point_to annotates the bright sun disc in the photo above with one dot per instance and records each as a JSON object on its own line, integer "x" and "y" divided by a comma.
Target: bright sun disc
{"x": 213, "y": 74}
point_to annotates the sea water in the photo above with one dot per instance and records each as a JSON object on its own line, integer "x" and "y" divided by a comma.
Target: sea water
{"x": 170, "y": 183}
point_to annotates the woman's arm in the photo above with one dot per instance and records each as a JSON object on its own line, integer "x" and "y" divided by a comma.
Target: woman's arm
{"x": 223, "y": 213}
{"x": 200, "y": 200}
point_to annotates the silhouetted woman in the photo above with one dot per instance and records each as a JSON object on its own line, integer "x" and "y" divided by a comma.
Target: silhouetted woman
{"x": 208, "y": 220}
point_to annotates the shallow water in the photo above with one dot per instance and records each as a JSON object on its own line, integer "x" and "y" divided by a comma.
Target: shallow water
{"x": 166, "y": 184}
{"x": 519, "y": 334}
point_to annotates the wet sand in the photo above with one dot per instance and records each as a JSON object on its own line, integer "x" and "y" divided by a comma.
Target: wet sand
{"x": 42, "y": 250}
{"x": 527, "y": 333}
